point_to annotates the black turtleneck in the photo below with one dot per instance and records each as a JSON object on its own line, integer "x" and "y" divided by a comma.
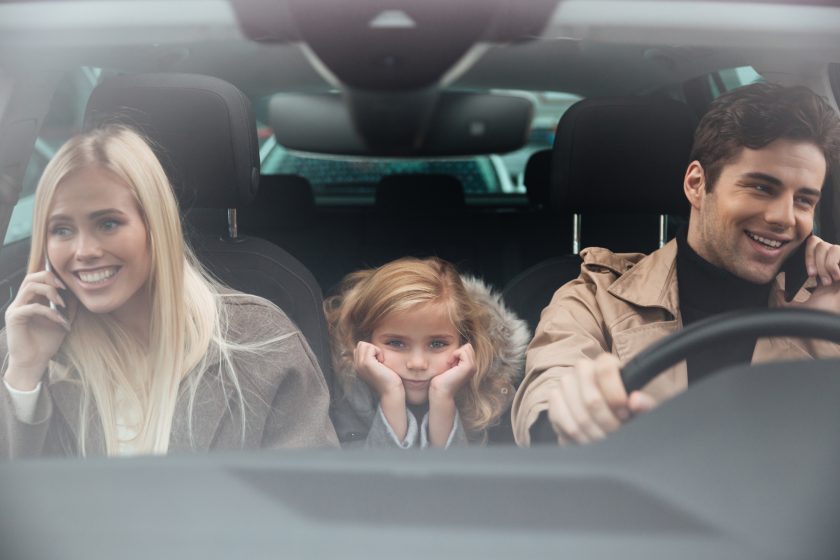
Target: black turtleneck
{"x": 707, "y": 290}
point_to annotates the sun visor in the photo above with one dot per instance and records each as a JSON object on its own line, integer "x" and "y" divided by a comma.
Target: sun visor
{"x": 452, "y": 124}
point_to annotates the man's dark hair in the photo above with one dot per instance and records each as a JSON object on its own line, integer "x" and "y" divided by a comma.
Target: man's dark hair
{"x": 753, "y": 116}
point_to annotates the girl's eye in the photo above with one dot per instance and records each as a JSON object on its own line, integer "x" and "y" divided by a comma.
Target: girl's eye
{"x": 438, "y": 344}
{"x": 394, "y": 343}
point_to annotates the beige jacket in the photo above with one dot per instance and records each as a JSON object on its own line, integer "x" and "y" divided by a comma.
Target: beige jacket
{"x": 286, "y": 398}
{"x": 620, "y": 303}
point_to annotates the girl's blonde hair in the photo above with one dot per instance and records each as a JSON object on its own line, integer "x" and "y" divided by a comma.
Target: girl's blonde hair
{"x": 187, "y": 329}
{"x": 368, "y": 296}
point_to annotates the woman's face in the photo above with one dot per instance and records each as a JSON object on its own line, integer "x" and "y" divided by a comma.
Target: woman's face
{"x": 98, "y": 244}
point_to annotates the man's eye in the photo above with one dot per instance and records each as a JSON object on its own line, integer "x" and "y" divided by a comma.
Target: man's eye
{"x": 805, "y": 201}
{"x": 762, "y": 188}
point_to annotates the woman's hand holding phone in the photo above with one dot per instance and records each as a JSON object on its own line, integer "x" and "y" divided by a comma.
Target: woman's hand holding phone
{"x": 34, "y": 330}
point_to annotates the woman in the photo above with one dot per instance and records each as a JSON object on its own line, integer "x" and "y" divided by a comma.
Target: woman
{"x": 118, "y": 342}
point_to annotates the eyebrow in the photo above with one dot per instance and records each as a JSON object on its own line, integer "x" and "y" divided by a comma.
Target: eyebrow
{"x": 756, "y": 175}
{"x": 91, "y": 216}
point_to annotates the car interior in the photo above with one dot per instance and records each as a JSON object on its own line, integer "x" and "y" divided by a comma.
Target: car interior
{"x": 308, "y": 139}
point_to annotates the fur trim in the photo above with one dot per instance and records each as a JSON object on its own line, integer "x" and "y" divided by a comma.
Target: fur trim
{"x": 508, "y": 334}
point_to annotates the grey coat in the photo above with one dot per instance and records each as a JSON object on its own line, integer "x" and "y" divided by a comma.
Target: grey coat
{"x": 286, "y": 398}
{"x": 360, "y": 421}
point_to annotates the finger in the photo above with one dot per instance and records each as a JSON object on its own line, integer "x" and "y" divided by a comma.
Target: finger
{"x": 27, "y": 312}
{"x": 820, "y": 254}
{"x": 810, "y": 264}
{"x": 832, "y": 262}
{"x": 573, "y": 396}
{"x": 36, "y": 289}
{"x": 594, "y": 401}
{"x": 562, "y": 420}
{"x": 608, "y": 378}
{"x": 44, "y": 277}
{"x": 641, "y": 402}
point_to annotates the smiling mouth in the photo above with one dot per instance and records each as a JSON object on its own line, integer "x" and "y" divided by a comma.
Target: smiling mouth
{"x": 97, "y": 276}
{"x": 769, "y": 243}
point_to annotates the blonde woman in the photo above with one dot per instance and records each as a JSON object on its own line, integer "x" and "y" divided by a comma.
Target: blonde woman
{"x": 119, "y": 343}
{"x": 425, "y": 358}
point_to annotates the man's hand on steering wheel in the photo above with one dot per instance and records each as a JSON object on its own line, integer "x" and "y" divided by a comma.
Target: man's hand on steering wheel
{"x": 592, "y": 402}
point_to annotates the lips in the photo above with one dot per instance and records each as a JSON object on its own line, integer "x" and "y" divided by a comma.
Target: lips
{"x": 96, "y": 276}
{"x": 768, "y": 242}
{"x": 415, "y": 384}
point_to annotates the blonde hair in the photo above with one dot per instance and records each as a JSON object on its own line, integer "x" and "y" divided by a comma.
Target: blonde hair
{"x": 367, "y": 297}
{"x": 188, "y": 324}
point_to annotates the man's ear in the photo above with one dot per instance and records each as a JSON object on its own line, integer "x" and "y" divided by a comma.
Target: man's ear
{"x": 694, "y": 184}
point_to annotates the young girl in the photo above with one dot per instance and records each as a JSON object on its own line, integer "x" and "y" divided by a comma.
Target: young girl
{"x": 413, "y": 339}
{"x": 119, "y": 343}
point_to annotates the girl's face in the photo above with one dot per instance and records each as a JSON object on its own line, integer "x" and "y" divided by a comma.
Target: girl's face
{"x": 418, "y": 345}
{"x": 98, "y": 244}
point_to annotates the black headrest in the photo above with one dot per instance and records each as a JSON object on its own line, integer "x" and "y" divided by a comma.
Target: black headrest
{"x": 202, "y": 129}
{"x": 623, "y": 155}
{"x": 538, "y": 178}
{"x": 411, "y": 193}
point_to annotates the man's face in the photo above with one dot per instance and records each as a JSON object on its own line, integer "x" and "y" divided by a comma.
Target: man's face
{"x": 760, "y": 209}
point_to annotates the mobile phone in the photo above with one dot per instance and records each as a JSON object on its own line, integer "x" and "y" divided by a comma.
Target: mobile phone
{"x": 48, "y": 268}
{"x": 795, "y": 272}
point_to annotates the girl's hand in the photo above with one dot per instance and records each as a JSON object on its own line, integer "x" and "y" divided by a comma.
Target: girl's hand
{"x": 34, "y": 331}
{"x": 367, "y": 361}
{"x": 461, "y": 369}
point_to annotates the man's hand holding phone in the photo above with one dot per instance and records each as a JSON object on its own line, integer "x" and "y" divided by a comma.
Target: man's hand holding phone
{"x": 821, "y": 261}
{"x": 35, "y": 328}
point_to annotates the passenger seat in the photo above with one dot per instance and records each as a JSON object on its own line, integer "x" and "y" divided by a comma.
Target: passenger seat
{"x": 204, "y": 132}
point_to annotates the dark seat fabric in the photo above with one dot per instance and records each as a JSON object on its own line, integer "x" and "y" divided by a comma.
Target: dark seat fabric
{"x": 538, "y": 179}
{"x": 415, "y": 194}
{"x": 619, "y": 164}
{"x": 204, "y": 132}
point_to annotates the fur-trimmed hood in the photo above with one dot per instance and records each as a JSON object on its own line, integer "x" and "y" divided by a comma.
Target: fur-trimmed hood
{"x": 509, "y": 336}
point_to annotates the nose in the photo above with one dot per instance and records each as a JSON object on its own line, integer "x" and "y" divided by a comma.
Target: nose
{"x": 88, "y": 247}
{"x": 780, "y": 213}
{"x": 417, "y": 361}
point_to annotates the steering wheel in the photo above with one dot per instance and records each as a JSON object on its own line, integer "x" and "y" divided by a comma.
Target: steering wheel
{"x": 728, "y": 327}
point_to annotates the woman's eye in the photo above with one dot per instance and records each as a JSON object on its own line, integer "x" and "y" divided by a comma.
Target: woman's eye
{"x": 109, "y": 225}
{"x": 60, "y": 231}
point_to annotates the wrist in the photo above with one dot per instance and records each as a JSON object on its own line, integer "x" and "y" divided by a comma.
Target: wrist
{"x": 440, "y": 395}
{"x": 392, "y": 394}
{"x": 23, "y": 379}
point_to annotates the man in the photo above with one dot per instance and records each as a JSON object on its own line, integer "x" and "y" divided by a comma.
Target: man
{"x": 760, "y": 158}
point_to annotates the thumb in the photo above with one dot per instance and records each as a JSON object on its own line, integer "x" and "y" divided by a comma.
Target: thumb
{"x": 640, "y": 402}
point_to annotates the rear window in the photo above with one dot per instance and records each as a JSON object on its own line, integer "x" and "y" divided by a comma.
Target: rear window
{"x": 349, "y": 177}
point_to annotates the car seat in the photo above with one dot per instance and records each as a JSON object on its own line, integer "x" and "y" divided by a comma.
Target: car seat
{"x": 203, "y": 131}
{"x": 617, "y": 166}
